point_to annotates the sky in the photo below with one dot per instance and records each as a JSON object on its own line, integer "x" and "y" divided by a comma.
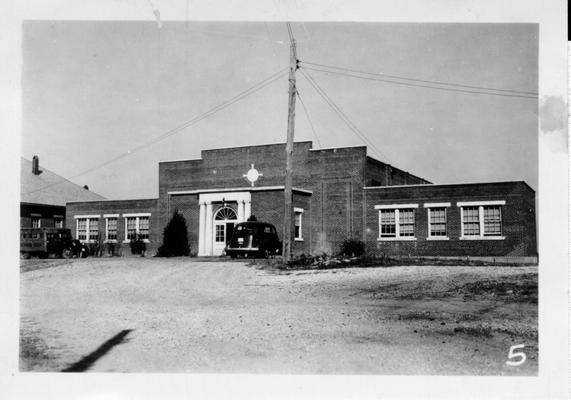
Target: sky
{"x": 92, "y": 91}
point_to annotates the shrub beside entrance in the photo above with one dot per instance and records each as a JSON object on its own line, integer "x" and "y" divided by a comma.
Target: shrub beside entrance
{"x": 175, "y": 238}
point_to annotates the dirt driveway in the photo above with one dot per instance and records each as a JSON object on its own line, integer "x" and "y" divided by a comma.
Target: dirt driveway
{"x": 186, "y": 315}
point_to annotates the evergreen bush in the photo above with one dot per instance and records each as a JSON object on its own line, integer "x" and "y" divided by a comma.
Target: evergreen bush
{"x": 175, "y": 238}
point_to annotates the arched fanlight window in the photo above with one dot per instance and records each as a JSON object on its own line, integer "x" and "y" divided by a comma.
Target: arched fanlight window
{"x": 225, "y": 213}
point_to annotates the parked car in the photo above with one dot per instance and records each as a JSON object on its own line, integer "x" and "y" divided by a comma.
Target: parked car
{"x": 42, "y": 242}
{"x": 254, "y": 239}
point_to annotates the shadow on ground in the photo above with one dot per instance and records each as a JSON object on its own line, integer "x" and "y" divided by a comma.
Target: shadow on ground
{"x": 87, "y": 362}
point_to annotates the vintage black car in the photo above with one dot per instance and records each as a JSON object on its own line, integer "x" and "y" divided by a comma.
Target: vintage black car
{"x": 254, "y": 239}
{"x": 42, "y": 242}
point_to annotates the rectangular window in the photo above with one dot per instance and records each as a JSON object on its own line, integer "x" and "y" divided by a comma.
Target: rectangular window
{"x": 131, "y": 228}
{"x": 482, "y": 219}
{"x": 471, "y": 221}
{"x": 58, "y": 222}
{"x": 406, "y": 222}
{"x": 111, "y": 229}
{"x": 298, "y": 216}
{"x": 437, "y": 222}
{"x": 82, "y": 229}
{"x": 137, "y": 225}
{"x": 397, "y": 223}
{"x": 144, "y": 227}
{"x": 93, "y": 233}
{"x": 220, "y": 233}
{"x": 87, "y": 227}
{"x": 36, "y": 222}
{"x": 388, "y": 223}
{"x": 492, "y": 221}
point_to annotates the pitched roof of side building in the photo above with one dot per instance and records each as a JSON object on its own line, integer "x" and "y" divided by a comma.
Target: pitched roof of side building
{"x": 47, "y": 187}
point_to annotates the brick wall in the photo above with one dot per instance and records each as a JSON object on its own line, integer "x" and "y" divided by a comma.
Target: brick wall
{"x": 518, "y": 220}
{"x": 378, "y": 173}
{"x": 267, "y": 206}
{"x": 338, "y": 207}
{"x": 118, "y": 207}
{"x": 334, "y": 176}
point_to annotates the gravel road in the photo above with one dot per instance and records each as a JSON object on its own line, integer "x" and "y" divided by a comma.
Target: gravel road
{"x": 192, "y": 315}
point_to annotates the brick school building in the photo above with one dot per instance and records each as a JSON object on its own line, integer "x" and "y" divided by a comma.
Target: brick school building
{"x": 338, "y": 194}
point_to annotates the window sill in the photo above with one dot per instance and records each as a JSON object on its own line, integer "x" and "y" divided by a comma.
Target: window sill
{"x": 437, "y": 238}
{"x": 144, "y": 241}
{"x": 482, "y": 237}
{"x": 110, "y": 241}
{"x": 298, "y": 240}
{"x": 397, "y": 239}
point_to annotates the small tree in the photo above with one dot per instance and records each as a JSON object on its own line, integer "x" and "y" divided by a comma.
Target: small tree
{"x": 175, "y": 238}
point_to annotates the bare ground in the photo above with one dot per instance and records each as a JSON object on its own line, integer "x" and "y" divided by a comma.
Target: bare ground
{"x": 187, "y": 315}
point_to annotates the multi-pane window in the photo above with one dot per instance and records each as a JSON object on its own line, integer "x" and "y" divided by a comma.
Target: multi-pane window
{"x": 58, "y": 222}
{"x": 87, "y": 228}
{"x": 111, "y": 228}
{"x": 298, "y": 215}
{"x": 492, "y": 221}
{"x": 82, "y": 229}
{"x": 93, "y": 233}
{"x": 471, "y": 221}
{"x": 396, "y": 222}
{"x": 388, "y": 223}
{"x": 482, "y": 219}
{"x": 144, "y": 227}
{"x": 36, "y": 222}
{"x": 406, "y": 222}
{"x": 136, "y": 226}
{"x": 219, "y": 237}
{"x": 437, "y": 222}
{"x": 131, "y": 228}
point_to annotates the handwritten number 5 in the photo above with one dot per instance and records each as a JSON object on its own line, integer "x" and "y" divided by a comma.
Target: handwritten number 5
{"x": 518, "y": 355}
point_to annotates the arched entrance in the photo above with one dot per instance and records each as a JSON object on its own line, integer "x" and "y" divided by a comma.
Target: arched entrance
{"x": 224, "y": 220}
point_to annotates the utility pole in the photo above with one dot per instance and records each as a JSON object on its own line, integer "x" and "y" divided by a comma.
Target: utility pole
{"x": 286, "y": 251}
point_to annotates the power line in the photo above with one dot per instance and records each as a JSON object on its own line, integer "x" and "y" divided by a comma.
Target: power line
{"x": 308, "y": 119}
{"x": 290, "y": 32}
{"x": 340, "y": 113}
{"x": 522, "y": 92}
{"x": 263, "y": 83}
{"x": 424, "y": 86}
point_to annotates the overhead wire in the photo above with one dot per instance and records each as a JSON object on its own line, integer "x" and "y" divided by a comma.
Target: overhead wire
{"x": 455, "y": 87}
{"x": 341, "y": 113}
{"x": 290, "y": 32}
{"x": 258, "y": 86}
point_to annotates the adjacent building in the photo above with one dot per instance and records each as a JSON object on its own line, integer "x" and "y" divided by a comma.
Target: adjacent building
{"x": 44, "y": 195}
{"x": 338, "y": 193}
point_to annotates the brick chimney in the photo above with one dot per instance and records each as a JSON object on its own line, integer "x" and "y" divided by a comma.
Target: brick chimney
{"x": 36, "y": 165}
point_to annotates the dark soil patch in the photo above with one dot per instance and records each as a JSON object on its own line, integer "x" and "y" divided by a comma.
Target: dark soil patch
{"x": 517, "y": 288}
{"x": 520, "y": 288}
{"x": 34, "y": 353}
{"x": 304, "y": 262}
